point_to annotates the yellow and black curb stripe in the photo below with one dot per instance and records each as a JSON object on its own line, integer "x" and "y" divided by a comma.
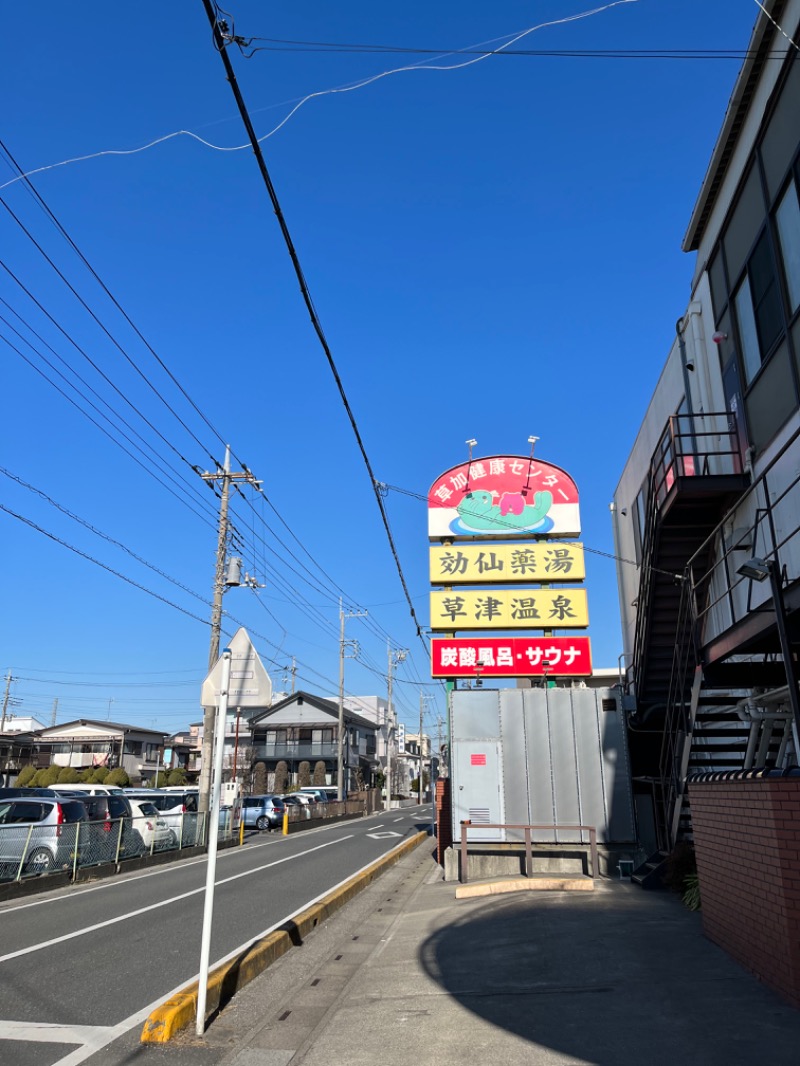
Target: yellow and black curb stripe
{"x": 180, "y": 1010}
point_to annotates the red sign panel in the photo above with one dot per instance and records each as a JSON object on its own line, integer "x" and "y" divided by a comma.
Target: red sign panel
{"x": 511, "y": 657}
{"x": 477, "y": 760}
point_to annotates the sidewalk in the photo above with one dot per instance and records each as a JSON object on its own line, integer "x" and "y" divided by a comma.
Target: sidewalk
{"x": 606, "y": 977}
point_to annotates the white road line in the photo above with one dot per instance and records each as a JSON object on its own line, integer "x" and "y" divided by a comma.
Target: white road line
{"x": 46, "y": 1033}
{"x": 402, "y": 816}
{"x": 161, "y": 903}
{"x": 372, "y": 828}
{"x": 98, "y": 1041}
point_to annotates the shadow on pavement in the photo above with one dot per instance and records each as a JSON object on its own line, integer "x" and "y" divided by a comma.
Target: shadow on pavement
{"x": 624, "y": 976}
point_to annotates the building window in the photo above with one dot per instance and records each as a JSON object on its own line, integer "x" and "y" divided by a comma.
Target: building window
{"x": 747, "y": 330}
{"x": 152, "y": 752}
{"x": 787, "y": 220}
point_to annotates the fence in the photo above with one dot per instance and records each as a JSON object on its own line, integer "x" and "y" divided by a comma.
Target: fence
{"x": 29, "y": 850}
{"x": 484, "y": 845}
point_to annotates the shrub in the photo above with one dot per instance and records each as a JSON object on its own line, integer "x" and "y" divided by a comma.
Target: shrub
{"x": 68, "y": 776}
{"x": 319, "y": 774}
{"x": 49, "y": 776}
{"x": 100, "y": 775}
{"x": 691, "y": 892}
{"x": 25, "y": 776}
{"x": 304, "y": 774}
{"x": 118, "y": 777}
{"x": 260, "y": 779}
{"x": 176, "y": 776}
{"x": 36, "y": 780}
{"x": 281, "y": 776}
{"x": 87, "y": 776}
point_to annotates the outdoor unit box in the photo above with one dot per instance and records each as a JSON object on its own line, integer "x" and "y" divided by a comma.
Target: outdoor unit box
{"x": 477, "y": 769}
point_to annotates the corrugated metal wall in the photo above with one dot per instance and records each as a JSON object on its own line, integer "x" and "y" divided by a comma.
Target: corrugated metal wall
{"x": 562, "y": 760}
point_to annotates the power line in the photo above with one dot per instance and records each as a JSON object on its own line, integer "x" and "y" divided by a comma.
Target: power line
{"x": 221, "y": 48}
{"x": 103, "y": 566}
{"x": 121, "y": 310}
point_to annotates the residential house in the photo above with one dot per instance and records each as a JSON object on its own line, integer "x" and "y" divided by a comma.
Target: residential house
{"x": 305, "y": 728}
{"x": 85, "y": 743}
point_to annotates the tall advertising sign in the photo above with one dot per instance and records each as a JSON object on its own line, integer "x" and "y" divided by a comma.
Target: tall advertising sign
{"x": 500, "y": 561}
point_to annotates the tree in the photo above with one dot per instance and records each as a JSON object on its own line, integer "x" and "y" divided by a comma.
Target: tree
{"x": 87, "y": 776}
{"x": 177, "y": 776}
{"x": 260, "y": 779}
{"x": 319, "y": 773}
{"x": 26, "y": 774}
{"x": 304, "y": 774}
{"x": 68, "y": 776}
{"x": 281, "y": 776}
{"x": 118, "y": 777}
{"x": 100, "y": 775}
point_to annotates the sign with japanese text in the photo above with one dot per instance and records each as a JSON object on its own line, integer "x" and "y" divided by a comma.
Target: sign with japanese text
{"x": 511, "y": 657}
{"x": 503, "y": 496}
{"x": 509, "y": 609}
{"x": 473, "y": 564}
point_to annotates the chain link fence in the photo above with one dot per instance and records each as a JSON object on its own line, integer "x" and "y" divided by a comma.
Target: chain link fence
{"x": 32, "y": 850}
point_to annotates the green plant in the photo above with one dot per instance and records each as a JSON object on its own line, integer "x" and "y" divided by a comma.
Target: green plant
{"x": 260, "y": 779}
{"x": 68, "y": 776}
{"x": 281, "y": 776}
{"x": 87, "y": 776}
{"x": 691, "y": 892}
{"x": 177, "y": 776}
{"x": 49, "y": 776}
{"x": 304, "y": 774}
{"x": 25, "y": 776}
{"x": 118, "y": 777}
{"x": 100, "y": 775}
{"x": 319, "y": 773}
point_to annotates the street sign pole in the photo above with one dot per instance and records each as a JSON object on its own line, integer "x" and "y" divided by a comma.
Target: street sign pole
{"x": 212, "y": 831}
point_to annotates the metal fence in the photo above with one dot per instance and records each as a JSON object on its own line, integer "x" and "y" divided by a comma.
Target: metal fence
{"x": 31, "y": 850}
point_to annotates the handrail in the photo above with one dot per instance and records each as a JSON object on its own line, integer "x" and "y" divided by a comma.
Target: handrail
{"x": 463, "y": 873}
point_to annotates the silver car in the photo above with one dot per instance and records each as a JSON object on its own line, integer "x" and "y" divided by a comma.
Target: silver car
{"x": 39, "y": 834}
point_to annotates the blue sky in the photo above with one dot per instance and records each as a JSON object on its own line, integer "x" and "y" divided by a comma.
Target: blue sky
{"x": 494, "y": 252}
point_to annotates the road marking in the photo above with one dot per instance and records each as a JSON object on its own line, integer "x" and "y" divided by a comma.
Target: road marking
{"x": 47, "y": 1033}
{"x": 99, "y": 1041}
{"x": 384, "y": 836}
{"x": 402, "y": 816}
{"x": 376, "y": 827}
{"x": 161, "y": 903}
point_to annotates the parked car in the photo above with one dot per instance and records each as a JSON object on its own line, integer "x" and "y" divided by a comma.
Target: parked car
{"x": 303, "y": 802}
{"x": 112, "y": 834}
{"x": 317, "y": 795}
{"x": 42, "y": 832}
{"x": 151, "y": 827}
{"x": 262, "y": 812}
{"x": 90, "y": 790}
{"x": 178, "y": 808}
{"x": 8, "y": 792}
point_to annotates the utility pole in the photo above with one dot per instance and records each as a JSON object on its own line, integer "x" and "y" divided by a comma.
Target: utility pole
{"x": 55, "y": 711}
{"x": 340, "y": 739}
{"x": 422, "y": 699}
{"x": 222, "y": 581}
{"x": 6, "y": 698}
{"x": 394, "y": 659}
{"x": 294, "y": 673}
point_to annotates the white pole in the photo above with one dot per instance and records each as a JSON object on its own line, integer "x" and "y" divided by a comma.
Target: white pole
{"x": 213, "y": 821}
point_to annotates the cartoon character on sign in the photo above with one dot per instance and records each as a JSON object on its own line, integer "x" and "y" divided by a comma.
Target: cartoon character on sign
{"x": 479, "y": 512}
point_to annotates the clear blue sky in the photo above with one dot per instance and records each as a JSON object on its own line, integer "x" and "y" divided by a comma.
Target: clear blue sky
{"x": 494, "y": 252}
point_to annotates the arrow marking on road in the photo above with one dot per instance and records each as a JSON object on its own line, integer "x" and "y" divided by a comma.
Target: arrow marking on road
{"x": 383, "y": 836}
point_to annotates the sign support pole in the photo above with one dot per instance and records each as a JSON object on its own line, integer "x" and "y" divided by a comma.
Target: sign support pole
{"x": 212, "y": 832}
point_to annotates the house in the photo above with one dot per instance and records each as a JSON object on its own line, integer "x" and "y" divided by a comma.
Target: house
{"x": 411, "y": 755}
{"x": 305, "y": 728}
{"x": 85, "y": 743}
{"x": 708, "y": 504}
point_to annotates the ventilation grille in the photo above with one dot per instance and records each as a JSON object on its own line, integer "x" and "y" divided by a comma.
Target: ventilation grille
{"x": 479, "y": 815}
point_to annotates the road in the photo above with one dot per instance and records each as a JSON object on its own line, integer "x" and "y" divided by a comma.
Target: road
{"x": 81, "y": 966}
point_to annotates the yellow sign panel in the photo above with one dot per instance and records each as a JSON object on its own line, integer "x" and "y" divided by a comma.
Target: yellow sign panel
{"x": 509, "y": 609}
{"x": 471, "y": 564}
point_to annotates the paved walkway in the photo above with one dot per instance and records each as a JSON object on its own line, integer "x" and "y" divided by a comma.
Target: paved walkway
{"x": 614, "y": 976}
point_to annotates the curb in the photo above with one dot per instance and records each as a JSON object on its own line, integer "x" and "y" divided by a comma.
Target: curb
{"x": 225, "y": 980}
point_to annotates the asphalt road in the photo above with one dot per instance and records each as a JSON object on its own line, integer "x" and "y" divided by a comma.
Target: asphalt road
{"x": 81, "y": 966}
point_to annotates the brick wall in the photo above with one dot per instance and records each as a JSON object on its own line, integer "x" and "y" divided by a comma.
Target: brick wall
{"x": 747, "y": 842}
{"x": 444, "y": 818}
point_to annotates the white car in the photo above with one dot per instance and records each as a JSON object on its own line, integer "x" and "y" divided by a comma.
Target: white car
{"x": 150, "y": 826}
